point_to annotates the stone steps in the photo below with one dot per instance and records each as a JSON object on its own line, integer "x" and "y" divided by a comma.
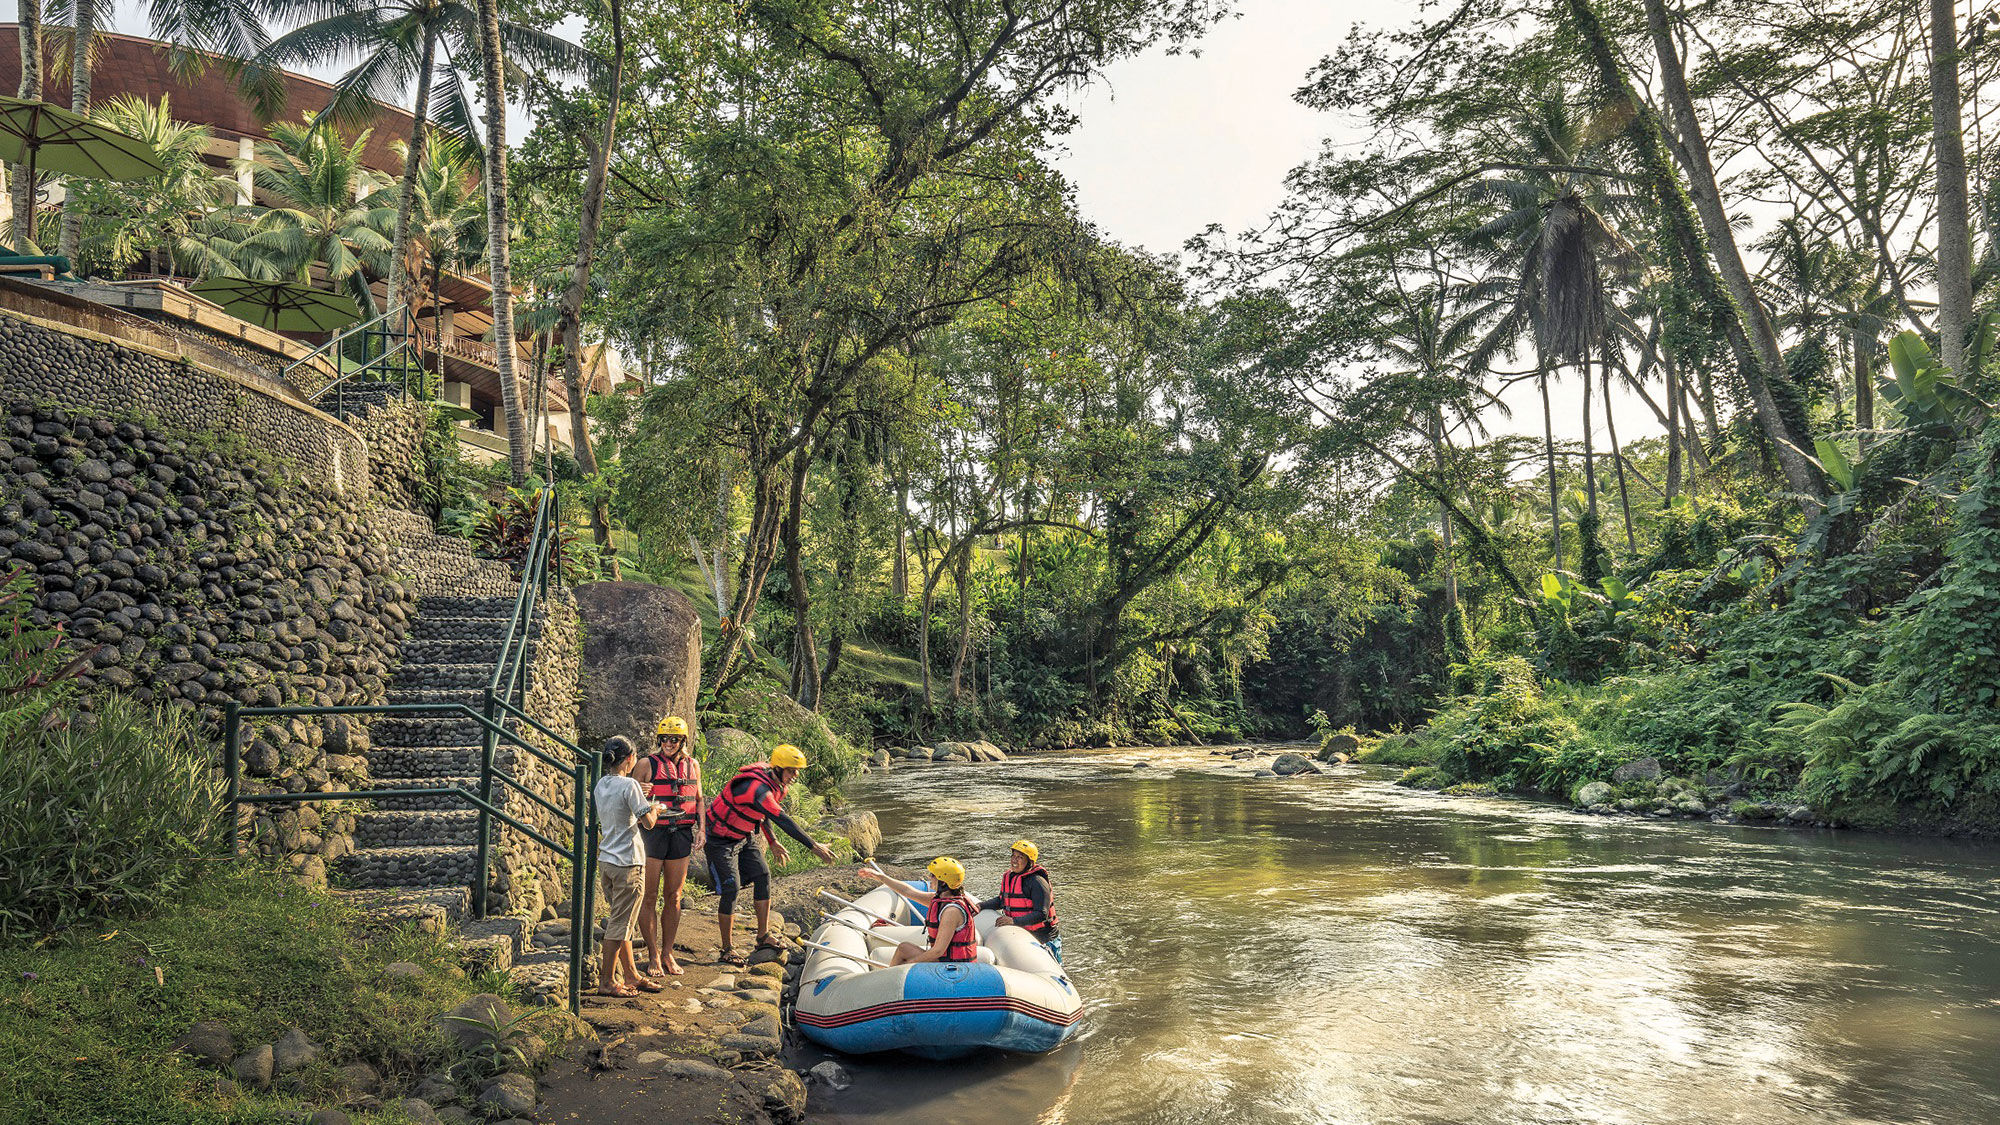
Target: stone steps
{"x": 417, "y": 804}
{"x": 417, "y": 828}
{"x": 433, "y": 676}
{"x": 426, "y": 733}
{"x": 492, "y": 630}
{"x": 429, "y": 907}
{"x": 406, "y": 867}
{"x": 447, "y": 651}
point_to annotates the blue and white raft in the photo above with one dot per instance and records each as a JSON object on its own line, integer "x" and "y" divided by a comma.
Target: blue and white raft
{"x": 1016, "y": 997}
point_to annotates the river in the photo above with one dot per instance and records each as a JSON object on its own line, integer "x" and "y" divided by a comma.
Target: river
{"x": 1336, "y": 949}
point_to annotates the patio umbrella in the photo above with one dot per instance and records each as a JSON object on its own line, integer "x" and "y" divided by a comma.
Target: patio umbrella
{"x": 49, "y": 138}
{"x": 282, "y": 306}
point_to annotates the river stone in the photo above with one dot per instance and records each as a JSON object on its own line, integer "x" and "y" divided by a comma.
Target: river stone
{"x": 436, "y": 1088}
{"x": 486, "y": 1011}
{"x": 253, "y": 1067}
{"x": 691, "y": 1069}
{"x": 1263, "y": 773}
{"x": 1594, "y": 793}
{"x": 208, "y": 1041}
{"x": 751, "y": 1046}
{"x": 417, "y": 1110}
{"x": 328, "y": 1117}
{"x": 641, "y": 659}
{"x": 784, "y": 1095}
{"x": 510, "y": 1094}
{"x": 1338, "y": 747}
{"x": 293, "y": 1051}
{"x": 831, "y": 1075}
{"x": 1643, "y": 769}
{"x": 403, "y": 970}
{"x": 861, "y": 829}
{"x": 360, "y": 1078}
{"x": 1286, "y": 765}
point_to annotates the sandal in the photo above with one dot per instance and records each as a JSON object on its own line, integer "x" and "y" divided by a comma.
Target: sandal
{"x": 766, "y": 941}
{"x": 619, "y": 993}
{"x": 647, "y": 984}
{"x": 731, "y": 957}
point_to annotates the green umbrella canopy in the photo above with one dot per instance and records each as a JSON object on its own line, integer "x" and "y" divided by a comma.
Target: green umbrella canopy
{"x": 48, "y": 138}
{"x": 282, "y": 306}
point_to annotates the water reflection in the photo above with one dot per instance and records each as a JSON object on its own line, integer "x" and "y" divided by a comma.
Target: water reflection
{"x": 1338, "y": 950}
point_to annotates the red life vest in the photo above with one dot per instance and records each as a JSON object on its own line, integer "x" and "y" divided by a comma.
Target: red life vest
{"x": 1015, "y": 901}
{"x": 965, "y": 943}
{"x": 675, "y": 780}
{"x": 737, "y": 811}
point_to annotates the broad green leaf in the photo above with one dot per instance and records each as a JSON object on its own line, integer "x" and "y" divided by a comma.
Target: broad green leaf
{"x": 1834, "y": 460}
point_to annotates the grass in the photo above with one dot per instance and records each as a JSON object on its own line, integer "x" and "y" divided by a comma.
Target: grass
{"x": 86, "y": 1025}
{"x": 1399, "y": 750}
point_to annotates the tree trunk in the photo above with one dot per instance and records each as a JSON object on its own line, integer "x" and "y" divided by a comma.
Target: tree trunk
{"x": 805, "y": 646}
{"x": 79, "y": 101}
{"x": 498, "y": 257}
{"x": 1673, "y": 432}
{"x": 1779, "y": 408}
{"x": 1954, "y": 243}
{"x": 962, "y": 578}
{"x": 30, "y": 89}
{"x": 570, "y": 319}
{"x": 1444, "y": 516}
{"x": 1864, "y": 386}
{"x": 1549, "y": 446}
{"x": 758, "y": 557}
{"x": 406, "y": 197}
{"x": 899, "y": 573}
{"x": 1589, "y": 450}
{"x": 1618, "y": 463}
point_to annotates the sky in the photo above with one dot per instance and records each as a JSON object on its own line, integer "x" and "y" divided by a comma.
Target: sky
{"x": 1169, "y": 144}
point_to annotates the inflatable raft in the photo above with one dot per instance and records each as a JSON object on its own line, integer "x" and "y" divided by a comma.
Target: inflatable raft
{"x": 1016, "y": 997}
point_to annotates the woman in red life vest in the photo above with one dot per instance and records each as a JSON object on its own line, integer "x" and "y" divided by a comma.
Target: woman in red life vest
{"x": 673, "y": 779}
{"x": 948, "y": 914}
{"x": 1028, "y": 897}
{"x": 748, "y": 805}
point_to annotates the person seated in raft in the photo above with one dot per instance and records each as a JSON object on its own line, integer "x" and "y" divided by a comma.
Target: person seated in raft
{"x": 749, "y": 804}
{"x": 1028, "y": 897}
{"x": 948, "y": 910}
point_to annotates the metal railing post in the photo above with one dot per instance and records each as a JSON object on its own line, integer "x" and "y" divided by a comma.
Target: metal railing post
{"x": 486, "y": 797}
{"x": 232, "y": 759}
{"x": 579, "y": 922}
{"x": 594, "y": 771}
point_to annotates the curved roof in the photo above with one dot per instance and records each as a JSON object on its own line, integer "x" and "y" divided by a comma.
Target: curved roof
{"x": 130, "y": 64}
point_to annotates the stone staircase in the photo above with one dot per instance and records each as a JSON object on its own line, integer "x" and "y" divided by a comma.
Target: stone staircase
{"x": 415, "y": 858}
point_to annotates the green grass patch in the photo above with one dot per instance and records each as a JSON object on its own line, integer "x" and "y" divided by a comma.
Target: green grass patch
{"x": 1407, "y": 749}
{"x": 88, "y": 1015}
{"x": 1425, "y": 777}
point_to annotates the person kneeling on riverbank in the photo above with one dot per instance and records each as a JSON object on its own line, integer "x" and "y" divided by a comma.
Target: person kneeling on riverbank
{"x": 948, "y": 911}
{"x": 749, "y": 804}
{"x": 622, "y": 810}
{"x": 1028, "y": 898}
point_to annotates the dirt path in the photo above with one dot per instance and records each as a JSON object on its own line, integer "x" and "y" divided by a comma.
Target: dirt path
{"x": 705, "y": 1049}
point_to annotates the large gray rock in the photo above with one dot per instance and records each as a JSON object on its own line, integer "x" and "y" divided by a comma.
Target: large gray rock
{"x": 471, "y": 1025}
{"x": 1594, "y": 793}
{"x": 641, "y": 659}
{"x": 418, "y": 1111}
{"x": 509, "y": 1095}
{"x": 728, "y": 744}
{"x": 1285, "y": 765}
{"x": 208, "y": 1041}
{"x": 1339, "y": 748}
{"x": 831, "y": 1075}
{"x": 861, "y": 829}
{"x": 293, "y": 1051}
{"x": 253, "y": 1067}
{"x": 1643, "y": 769}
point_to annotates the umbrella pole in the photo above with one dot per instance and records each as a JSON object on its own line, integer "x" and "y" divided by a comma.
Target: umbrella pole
{"x": 34, "y": 192}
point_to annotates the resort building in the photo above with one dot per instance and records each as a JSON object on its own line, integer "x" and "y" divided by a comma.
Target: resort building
{"x": 453, "y": 324}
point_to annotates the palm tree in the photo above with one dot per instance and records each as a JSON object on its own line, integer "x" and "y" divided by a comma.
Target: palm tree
{"x": 324, "y": 207}
{"x": 447, "y": 225}
{"x": 1551, "y": 247}
{"x": 83, "y": 33}
{"x": 499, "y": 269}
{"x": 404, "y": 45}
{"x": 30, "y": 89}
{"x": 124, "y": 222}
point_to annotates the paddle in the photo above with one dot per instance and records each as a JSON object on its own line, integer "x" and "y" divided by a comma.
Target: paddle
{"x": 878, "y": 870}
{"x": 824, "y": 893}
{"x": 856, "y": 927}
{"x": 849, "y": 956}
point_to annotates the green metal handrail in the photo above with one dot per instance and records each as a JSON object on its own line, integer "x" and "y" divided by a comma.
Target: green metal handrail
{"x": 494, "y": 714}
{"x": 389, "y": 336}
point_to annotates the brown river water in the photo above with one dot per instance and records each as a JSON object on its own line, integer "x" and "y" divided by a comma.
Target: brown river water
{"x": 1336, "y": 949}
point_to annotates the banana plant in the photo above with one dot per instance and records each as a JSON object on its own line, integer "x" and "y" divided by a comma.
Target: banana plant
{"x": 1929, "y": 396}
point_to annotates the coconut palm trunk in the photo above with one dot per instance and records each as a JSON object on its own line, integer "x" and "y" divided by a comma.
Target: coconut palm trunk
{"x": 406, "y": 199}
{"x": 499, "y": 262}
{"x": 1549, "y": 446}
{"x": 1618, "y": 465}
{"x": 30, "y": 89}
{"x": 1954, "y": 244}
{"x": 79, "y": 100}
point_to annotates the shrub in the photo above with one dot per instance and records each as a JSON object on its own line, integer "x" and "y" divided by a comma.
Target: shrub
{"x": 1425, "y": 777}
{"x": 106, "y": 812}
{"x": 1510, "y": 733}
{"x": 1406, "y": 749}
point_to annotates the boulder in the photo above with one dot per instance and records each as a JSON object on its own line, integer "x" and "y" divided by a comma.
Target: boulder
{"x": 1594, "y": 793}
{"x": 783, "y": 1092}
{"x": 1285, "y": 765}
{"x": 861, "y": 829}
{"x": 641, "y": 659}
{"x": 831, "y": 1075}
{"x": 694, "y": 1070}
{"x": 984, "y": 751}
{"x": 509, "y": 1095}
{"x": 328, "y": 1117}
{"x": 1338, "y": 747}
{"x": 730, "y": 744}
{"x": 402, "y": 970}
{"x": 208, "y": 1041}
{"x": 1643, "y": 769}
{"x": 418, "y": 1111}
{"x": 253, "y": 1067}
{"x": 360, "y": 1078}
{"x": 471, "y": 1025}
{"x": 293, "y": 1051}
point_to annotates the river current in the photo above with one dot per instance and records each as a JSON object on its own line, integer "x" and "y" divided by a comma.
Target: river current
{"x": 1336, "y": 949}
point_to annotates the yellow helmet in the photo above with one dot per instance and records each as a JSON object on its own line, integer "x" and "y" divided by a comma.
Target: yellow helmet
{"x": 786, "y": 756}
{"x": 948, "y": 871}
{"x": 1027, "y": 848}
{"x": 672, "y": 724}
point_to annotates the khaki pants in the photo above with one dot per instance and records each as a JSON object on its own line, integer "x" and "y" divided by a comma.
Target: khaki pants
{"x": 623, "y": 888}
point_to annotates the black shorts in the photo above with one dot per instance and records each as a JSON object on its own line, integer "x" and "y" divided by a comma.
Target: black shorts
{"x": 669, "y": 841}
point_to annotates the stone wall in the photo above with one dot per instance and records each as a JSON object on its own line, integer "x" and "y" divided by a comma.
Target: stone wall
{"x": 202, "y": 571}
{"x": 43, "y": 362}
{"x": 528, "y": 874}
{"x": 392, "y": 425}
